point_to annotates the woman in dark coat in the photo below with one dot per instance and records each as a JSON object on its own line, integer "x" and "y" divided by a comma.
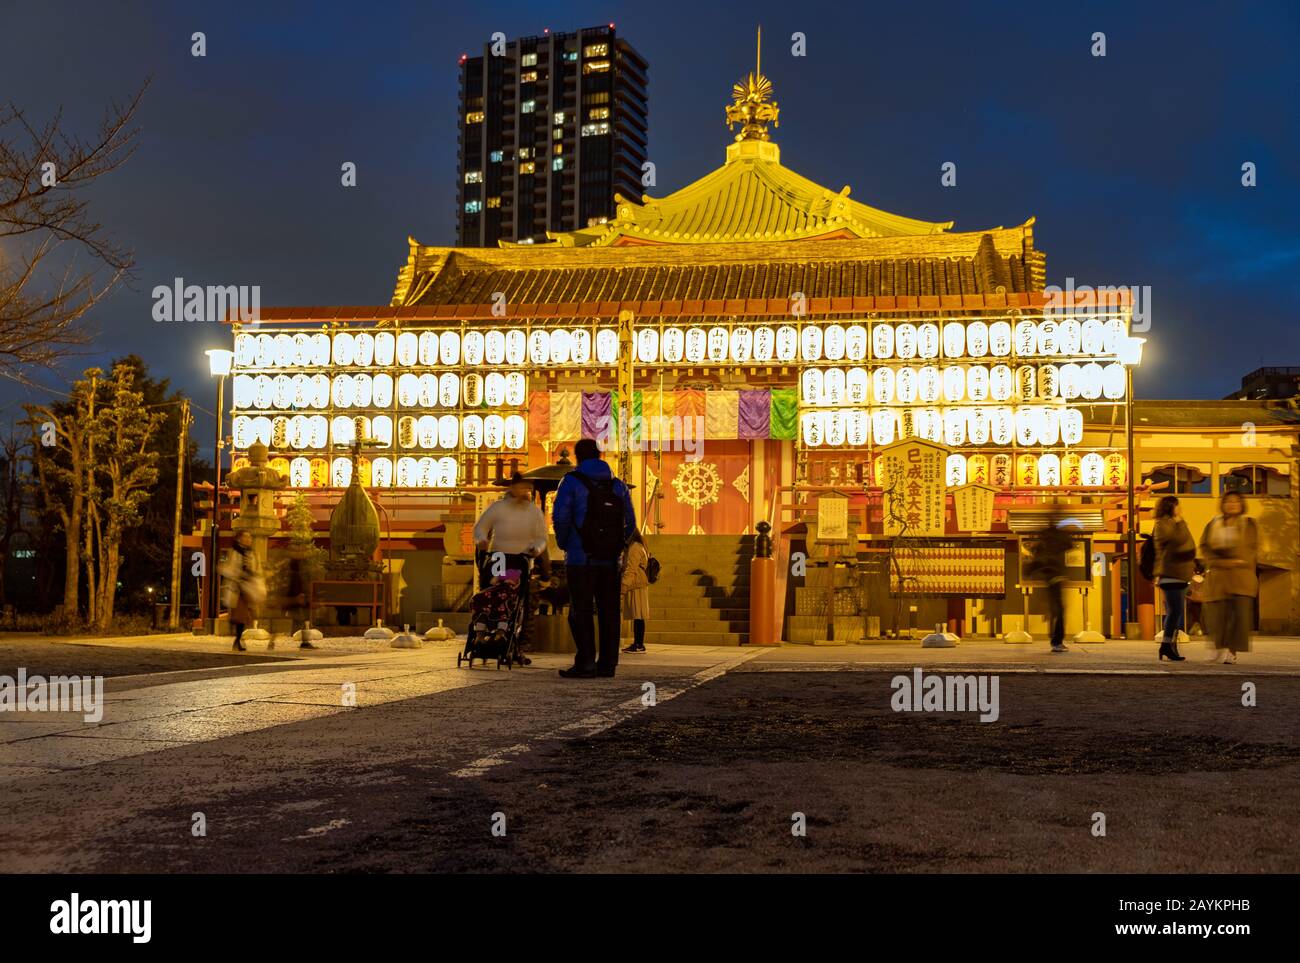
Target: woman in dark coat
{"x": 1175, "y": 561}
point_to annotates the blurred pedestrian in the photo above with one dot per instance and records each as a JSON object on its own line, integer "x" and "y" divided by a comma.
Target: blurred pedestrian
{"x": 1175, "y": 560}
{"x": 593, "y": 518}
{"x": 636, "y": 589}
{"x": 245, "y": 589}
{"x": 1048, "y": 565}
{"x": 1196, "y": 600}
{"x": 1228, "y": 547}
{"x": 295, "y": 594}
{"x": 508, "y": 536}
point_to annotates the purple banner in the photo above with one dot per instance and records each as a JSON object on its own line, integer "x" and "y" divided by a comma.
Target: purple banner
{"x": 755, "y": 415}
{"x": 595, "y": 414}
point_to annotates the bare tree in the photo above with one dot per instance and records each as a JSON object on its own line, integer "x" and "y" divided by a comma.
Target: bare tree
{"x": 44, "y": 171}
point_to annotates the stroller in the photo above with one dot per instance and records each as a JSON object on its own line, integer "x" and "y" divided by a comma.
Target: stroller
{"x": 496, "y": 623}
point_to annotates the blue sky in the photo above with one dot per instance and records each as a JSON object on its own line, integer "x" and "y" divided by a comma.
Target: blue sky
{"x": 1131, "y": 162}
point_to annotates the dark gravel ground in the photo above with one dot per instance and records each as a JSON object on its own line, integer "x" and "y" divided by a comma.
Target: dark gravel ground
{"x": 1189, "y": 780}
{"x": 73, "y": 658}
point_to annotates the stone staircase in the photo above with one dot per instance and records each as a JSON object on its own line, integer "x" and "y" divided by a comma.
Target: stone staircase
{"x": 702, "y": 596}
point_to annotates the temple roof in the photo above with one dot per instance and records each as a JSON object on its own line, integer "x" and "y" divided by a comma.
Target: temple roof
{"x": 752, "y": 197}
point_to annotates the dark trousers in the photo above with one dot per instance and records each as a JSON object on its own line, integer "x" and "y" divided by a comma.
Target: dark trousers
{"x": 1232, "y": 619}
{"x": 594, "y": 590}
{"x": 1056, "y": 605}
{"x": 1175, "y": 593}
{"x": 638, "y": 632}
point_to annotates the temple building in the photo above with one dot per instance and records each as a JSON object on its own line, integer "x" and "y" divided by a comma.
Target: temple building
{"x": 899, "y": 401}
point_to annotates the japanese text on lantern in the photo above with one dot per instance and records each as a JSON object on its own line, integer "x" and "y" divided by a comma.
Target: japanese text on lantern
{"x": 912, "y": 475}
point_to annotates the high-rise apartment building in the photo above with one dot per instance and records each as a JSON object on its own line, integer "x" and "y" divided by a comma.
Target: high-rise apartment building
{"x": 550, "y": 128}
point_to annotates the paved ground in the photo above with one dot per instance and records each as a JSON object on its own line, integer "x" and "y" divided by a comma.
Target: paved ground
{"x": 288, "y": 774}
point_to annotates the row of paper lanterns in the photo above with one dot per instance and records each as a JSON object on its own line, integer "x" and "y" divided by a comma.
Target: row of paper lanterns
{"x": 952, "y": 383}
{"x": 1028, "y": 425}
{"x": 1048, "y": 470}
{"x": 448, "y": 390}
{"x": 541, "y": 347}
{"x": 448, "y": 432}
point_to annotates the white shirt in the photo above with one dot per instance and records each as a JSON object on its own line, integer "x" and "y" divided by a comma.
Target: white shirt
{"x": 512, "y": 526}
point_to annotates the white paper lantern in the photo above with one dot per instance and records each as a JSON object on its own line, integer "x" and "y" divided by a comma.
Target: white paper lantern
{"x": 787, "y": 343}
{"x": 835, "y": 428}
{"x": 364, "y": 344}
{"x": 813, "y": 428}
{"x": 954, "y": 340}
{"x": 833, "y": 345}
{"x": 883, "y": 386}
{"x": 264, "y": 351}
{"x": 447, "y": 472}
{"x": 857, "y": 387}
{"x": 977, "y": 383}
{"x": 299, "y": 432}
{"x": 302, "y": 353}
{"x": 956, "y": 470}
{"x": 1113, "y": 380}
{"x": 1068, "y": 381}
{"x": 449, "y": 347}
{"x": 1092, "y": 469}
{"x": 905, "y": 340}
{"x": 929, "y": 423}
{"x": 381, "y": 390}
{"x": 516, "y": 432}
{"x": 341, "y": 472}
{"x": 1002, "y": 425}
{"x": 1049, "y": 382}
{"x": 905, "y": 385}
{"x": 471, "y": 431}
{"x": 1069, "y": 337}
{"x": 1071, "y": 426}
{"x": 742, "y": 345}
{"x": 929, "y": 384}
{"x": 408, "y": 472}
{"x": 607, "y": 346}
{"x": 494, "y": 431}
{"x": 1090, "y": 381}
{"x": 428, "y": 348}
{"x": 539, "y": 347}
{"x": 647, "y": 346}
{"x": 428, "y": 390}
{"x": 1049, "y": 470}
{"x": 381, "y": 431}
{"x": 1026, "y": 426}
{"x": 884, "y": 424}
{"x": 282, "y": 391}
{"x": 408, "y": 390}
{"x": 857, "y": 428}
{"x": 855, "y": 342}
{"x": 882, "y": 341}
{"x": 303, "y": 392}
{"x": 448, "y": 431}
{"x": 300, "y": 473}
{"x": 1091, "y": 337}
{"x": 580, "y": 346}
{"x": 343, "y": 391}
{"x": 954, "y": 427}
{"x": 320, "y": 431}
{"x": 426, "y": 472}
{"x": 674, "y": 346}
{"x": 241, "y": 432}
{"x": 381, "y": 472}
{"x": 1001, "y": 382}
{"x": 1047, "y": 425}
{"x": 494, "y": 389}
{"x": 494, "y": 347}
{"x": 245, "y": 350}
{"x": 696, "y": 345}
{"x": 448, "y": 389}
{"x": 977, "y": 339}
{"x": 426, "y": 431}
{"x": 516, "y": 347}
{"x": 472, "y": 348}
{"x": 810, "y": 383}
{"x": 1113, "y": 335}
{"x": 833, "y": 388}
{"x": 718, "y": 340}
{"x": 471, "y": 390}
{"x": 999, "y": 339}
{"x": 342, "y": 431}
{"x": 385, "y": 348}
{"x": 363, "y": 391}
{"x": 927, "y": 340}
{"x": 284, "y": 351}
{"x": 764, "y": 344}
{"x": 1026, "y": 339}
{"x": 245, "y": 391}
{"x": 810, "y": 342}
{"x": 408, "y": 349}
{"x": 516, "y": 389}
{"x": 977, "y": 426}
{"x": 1048, "y": 337}
{"x": 954, "y": 383}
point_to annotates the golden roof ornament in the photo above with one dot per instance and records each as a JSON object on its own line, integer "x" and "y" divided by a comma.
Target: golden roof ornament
{"x": 752, "y": 106}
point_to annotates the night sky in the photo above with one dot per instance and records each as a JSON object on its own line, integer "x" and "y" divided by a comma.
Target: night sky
{"x": 1131, "y": 162}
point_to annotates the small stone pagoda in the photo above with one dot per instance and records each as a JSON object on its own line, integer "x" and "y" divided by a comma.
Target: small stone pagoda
{"x": 354, "y": 532}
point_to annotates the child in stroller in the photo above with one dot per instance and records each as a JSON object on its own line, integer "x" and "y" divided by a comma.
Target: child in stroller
{"x": 496, "y": 622}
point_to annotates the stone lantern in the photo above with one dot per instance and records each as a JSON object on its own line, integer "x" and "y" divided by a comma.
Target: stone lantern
{"x": 257, "y": 483}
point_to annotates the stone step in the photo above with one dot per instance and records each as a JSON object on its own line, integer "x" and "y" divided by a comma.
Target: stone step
{"x": 698, "y": 568}
{"x": 728, "y": 613}
{"x": 691, "y": 625}
{"x": 697, "y": 638}
{"x": 688, "y": 594}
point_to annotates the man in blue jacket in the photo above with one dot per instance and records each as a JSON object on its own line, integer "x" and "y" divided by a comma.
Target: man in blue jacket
{"x": 593, "y": 519}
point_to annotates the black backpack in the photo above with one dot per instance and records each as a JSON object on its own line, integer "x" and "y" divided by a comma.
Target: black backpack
{"x": 602, "y": 527}
{"x": 1147, "y": 560}
{"x": 651, "y": 569}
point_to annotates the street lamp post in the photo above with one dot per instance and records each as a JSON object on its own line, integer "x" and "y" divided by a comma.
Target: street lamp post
{"x": 220, "y": 362}
{"x": 1130, "y": 355}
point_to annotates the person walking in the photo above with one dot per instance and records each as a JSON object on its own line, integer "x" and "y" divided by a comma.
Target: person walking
{"x": 1175, "y": 560}
{"x": 636, "y": 589}
{"x": 509, "y": 534}
{"x": 244, "y": 589}
{"x": 296, "y": 596}
{"x": 1048, "y": 565}
{"x": 593, "y": 518}
{"x": 1229, "y": 546}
